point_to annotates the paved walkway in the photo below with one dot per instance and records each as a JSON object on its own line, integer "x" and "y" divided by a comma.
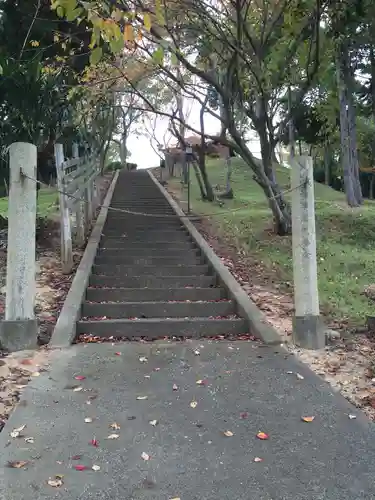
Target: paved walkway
{"x": 332, "y": 457}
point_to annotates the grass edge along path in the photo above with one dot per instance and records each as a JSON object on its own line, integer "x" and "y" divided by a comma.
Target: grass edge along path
{"x": 47, "y": 203}
{"x": 345, "y": 238}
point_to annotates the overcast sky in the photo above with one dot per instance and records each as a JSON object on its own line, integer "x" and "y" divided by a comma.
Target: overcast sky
{"x": 142, "y": 152}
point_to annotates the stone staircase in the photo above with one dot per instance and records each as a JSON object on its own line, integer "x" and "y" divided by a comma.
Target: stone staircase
{"x": 149, "y": 280}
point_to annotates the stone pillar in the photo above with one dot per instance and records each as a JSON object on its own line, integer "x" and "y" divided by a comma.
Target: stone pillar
{"x": 308, "y": 331}
{"x": 19, "y": 330}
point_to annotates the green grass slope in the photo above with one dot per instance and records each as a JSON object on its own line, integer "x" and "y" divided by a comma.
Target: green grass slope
{"x": 345, "y": 237}
{"x": 47, "y": 199}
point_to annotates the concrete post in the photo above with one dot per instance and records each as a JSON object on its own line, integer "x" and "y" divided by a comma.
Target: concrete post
{"x": 75, "y": 150}
{"x": 88, "y": 207}
{"x": 78, "y": 208}
{"x": 65, "y": 224}
{"x": 308, "y": 331}
{"x": 19, "y": 330}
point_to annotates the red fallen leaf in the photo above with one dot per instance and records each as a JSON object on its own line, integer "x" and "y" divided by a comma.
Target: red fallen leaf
{"x": 118, "y": 353}
{"x": 76, "y": 457}
{"x": 26, "y": 362}
{"x": 80, "y": 377}
{"x": 94, "y": 442}
{"x": 263, "y": 436}
{"x": 244, "y": 414}
{"x": 80, "y": 467}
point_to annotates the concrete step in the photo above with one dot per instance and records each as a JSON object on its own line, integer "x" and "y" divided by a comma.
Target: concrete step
{"x": 123, "y": 270}
{"x": 144, "y": 251}
{"x": 185, "y": 309}
{"x": 149, "y": 260}
{"x": 160, "y": 328}
{"x": 131, "y": 231}
{"x": 152, "y": 246}
{"x": 153, "y": 294}
{"x": 148, "y": 236}
{"x": 145, "y": 281}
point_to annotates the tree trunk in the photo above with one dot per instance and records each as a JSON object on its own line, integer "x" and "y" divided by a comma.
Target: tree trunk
{"x": 327, "y": 165}
{"x": 349, "y": 159}
{"x": 202, "y": 154}
{"x": 199, "y": 180}
{"x": 103, "y": 156}
{"x": 264, "y": 176}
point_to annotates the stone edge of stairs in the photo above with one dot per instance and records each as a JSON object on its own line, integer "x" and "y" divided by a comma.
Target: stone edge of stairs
{"x": 247, "y": 309}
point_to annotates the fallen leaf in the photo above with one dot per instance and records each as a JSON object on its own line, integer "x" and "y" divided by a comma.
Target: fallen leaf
{"x": 80, "y": 377}
{"x": 153, "y": 422}
{"x": 94, "y": 442}
{"x": 228, "y": 433}
{"x": 35, "y": 374}
{"x": 142, "y": 398}
{"x": 77, "y": 389}
{"x": 307, "y": 419}
{"x": 145, "y": 456}
{"x": 29, "y": 440}
{"x": 17, "y": 431}
{"x": 56, "y": 482}
{"x": 201, "y": 382}
{"x": 262, "y": 435}
{"x": 175, "y": 387}
{"x": 113, "y": 436}
{"x": 118, "y": 353}
{"x": 258, "y": 459}
{"x": 96, "y": 468}
{"x": 147, "y": 376}
{"x": 156, "y": 369}
{"x": 352, "y": 417}
{"x": 76, "y": 457}
{"x": 88, "y": 420}
{"x": 175, "y": 498}
{"x": 143, "y": 359}
{"x": 17, "y": 464}
{"x": 196, "y": 352}
{"x": 26, "y": 362}
{"x": 193, "y": 404}
{"x": 115, "y": 426}
{"x": 244, "y": 414}
{"x": 299, "y": 376}
{"x": 80, "y": 467}
{"x": 289, "y": 373}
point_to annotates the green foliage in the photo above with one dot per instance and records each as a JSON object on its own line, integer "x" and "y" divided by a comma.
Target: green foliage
{"x": 114, "y": 165}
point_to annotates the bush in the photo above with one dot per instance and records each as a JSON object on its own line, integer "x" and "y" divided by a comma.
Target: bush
{"x": 114, "y": 165}
{"x": 131, "y": 166}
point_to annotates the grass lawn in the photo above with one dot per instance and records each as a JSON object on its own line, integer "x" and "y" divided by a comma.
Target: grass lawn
{"x": 345, "y": 238}
{"x": 46, "y": 200}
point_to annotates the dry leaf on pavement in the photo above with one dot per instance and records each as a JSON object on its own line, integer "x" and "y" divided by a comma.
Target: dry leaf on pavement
{"x": 142, "y": 398}
{"x": 113, "y": 436}
{"x": 193, "y": 404}
{"x": 77, "y": 389}
{"x": 96, "y": 468}
{"x": 307, "y": 419}
{"x": 258, "y": 459}
{"x": 80, "y": 377}
{"x": 175, "y": 387}
{"x": 153, "y": 422}
{"x": 29, "y": 440}
{"x": 263, "y": 436}
{"x": 55, "y": 482}
{"x": 145, "y": 456}
{"x": 17, "y": 431}
{"x": 80, "y": 467}
{"x": 88, "y": 420}
{"x": 17, "y": 464}
{"x": 143, "y": 359}
{"x": 228, "y": 433}
{"x": 114, "y": 426}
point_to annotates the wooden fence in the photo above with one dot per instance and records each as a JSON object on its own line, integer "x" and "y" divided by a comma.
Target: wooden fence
{"x": 79, "y": 199}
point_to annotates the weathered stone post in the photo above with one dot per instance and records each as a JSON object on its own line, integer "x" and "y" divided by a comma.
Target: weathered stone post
{"x": 79, "y": 213}
{"x": 308, "y": 331}
{"x": 65, "y": 225}
{"x": 19, "y": 330}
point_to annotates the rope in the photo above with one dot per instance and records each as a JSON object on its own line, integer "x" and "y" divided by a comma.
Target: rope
{"x": 132, "y": 212}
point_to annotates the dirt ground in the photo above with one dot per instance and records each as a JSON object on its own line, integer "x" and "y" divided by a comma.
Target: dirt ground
{"x": 52, "y": 286}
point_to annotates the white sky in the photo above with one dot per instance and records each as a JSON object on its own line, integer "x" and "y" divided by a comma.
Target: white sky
{"x": 141, "y": 149}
